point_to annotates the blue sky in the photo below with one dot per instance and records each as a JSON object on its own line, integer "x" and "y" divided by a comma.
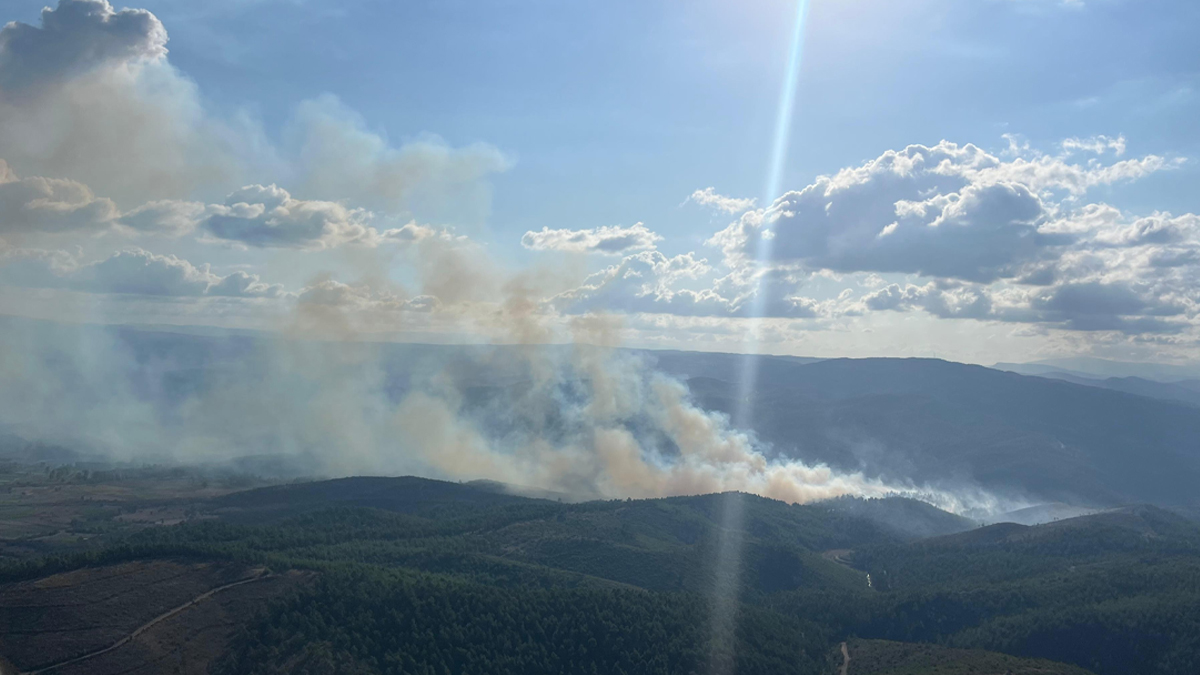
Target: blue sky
{"x": 609, "y": 114}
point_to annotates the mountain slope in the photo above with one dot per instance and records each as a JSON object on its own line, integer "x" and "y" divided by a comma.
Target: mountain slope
{"x": 932, "y": 421}
{"x": 1168, "y": 391}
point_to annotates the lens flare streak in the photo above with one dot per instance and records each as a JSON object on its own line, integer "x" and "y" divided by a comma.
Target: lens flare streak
{"x": 723, "y": 622}
{"x": 779, "y": 152}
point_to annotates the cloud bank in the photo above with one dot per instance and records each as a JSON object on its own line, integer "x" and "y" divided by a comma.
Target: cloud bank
{"x": 604, "y": 240}
{"x": 973, "y": 234}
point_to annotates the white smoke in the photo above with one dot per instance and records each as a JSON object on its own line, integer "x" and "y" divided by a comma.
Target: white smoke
{"x": 604, "y": 424}
{"x": 591, "y": 421}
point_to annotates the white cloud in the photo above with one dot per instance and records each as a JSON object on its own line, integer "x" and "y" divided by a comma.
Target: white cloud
{"x": 413, "y": 232}
{"x": 954, "y": 302}
{"x": 50, "y": 205}
{"x": 1047, "y": 174}
{"x": 1124, "y": 275}
{"x": 614, "y": 240}
{"x": 1160, "y": 229}
{"x": 243, "y": 285}
{"x": 649, "y": 282}
{"x": 78, "y": 36}
{"x": 133, "y": 272}
{"x": 35, "y": 268}
{"x": 986, "y": 239}
{"x": 363, "y": 297}
{"x": 919, "y": 210}
{"x": 709, "y": 197}
{"x": 268, "y": 216}
{"x": 139, "y": 272}
{"x": 643, "y": 282}
{"x": 173, "y": 218}
{"x": 1095, "y": 144}
{"x": 255, "y": 215}
{"x": 90, "y": 96}
{"x": 1113, "y": 305}
{"x": 943, "y": 211}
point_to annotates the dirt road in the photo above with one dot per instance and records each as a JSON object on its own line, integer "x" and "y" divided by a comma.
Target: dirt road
{"x": 146, "y": 626}
{"x": 845, "y": 659}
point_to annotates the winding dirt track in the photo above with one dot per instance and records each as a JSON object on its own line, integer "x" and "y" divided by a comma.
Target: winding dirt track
{"x": 845, "y": 658}
{"x": 148, "y": 625}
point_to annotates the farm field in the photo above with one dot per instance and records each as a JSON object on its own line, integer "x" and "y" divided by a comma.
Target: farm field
{"x": 46, "y": 509}
{"x": 135, "y": 617}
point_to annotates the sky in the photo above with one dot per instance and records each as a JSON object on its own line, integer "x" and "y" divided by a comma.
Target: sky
{"x": 978, "y": 180}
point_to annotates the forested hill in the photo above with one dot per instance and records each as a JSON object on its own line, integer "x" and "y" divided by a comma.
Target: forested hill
{"x": 417, "y": 576}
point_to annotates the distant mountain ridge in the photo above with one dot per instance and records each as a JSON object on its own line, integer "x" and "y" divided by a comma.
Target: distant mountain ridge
{"x": 1182, "y": 391}
{"x": 1090, "y": 367}
{"x": 938, "y": 422}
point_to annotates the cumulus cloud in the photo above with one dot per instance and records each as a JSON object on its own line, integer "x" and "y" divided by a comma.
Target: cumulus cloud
{"x": 143, "y": 273}
{"x": 1095, "y": 144}
{"x": 78, "y": 36}
{"x": 614, "y": 240}
{"x": 1130, "y": 274}
{"x": 329, "y": 292}
{"x": 134, "y": 272}
{"x": 644, "y": 282}
{"x": 268, "y": 216}
{"x": 169, "y": 217}
{"x": 1160, "y": 229}
{"x": 413, "y": 232}
{"x": 52, "y": 205}
{"x": 255, "y": 215}
{"x": 943, "y": 211}
{"x": 39, "y": 205}
{"x": 243, "y": 285}
{"x": 953, "y": 302}
{"x": 90, "y": 96}
{"x": 980, "y": 237}
{"x": 1049, "y": 175}
{"x": 709, "y": 197}
{"x": 1136, "y": 290}
{"x": 1112, "y": 305}
{"x": 35, "y": 268}
{"x": 651, "y": 282}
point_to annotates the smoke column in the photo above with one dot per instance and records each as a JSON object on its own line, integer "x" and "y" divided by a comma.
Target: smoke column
{"x": 582, "y": 416}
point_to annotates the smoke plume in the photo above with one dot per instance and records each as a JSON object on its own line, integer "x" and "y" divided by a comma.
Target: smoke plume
{"x": 582, "y": 417}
